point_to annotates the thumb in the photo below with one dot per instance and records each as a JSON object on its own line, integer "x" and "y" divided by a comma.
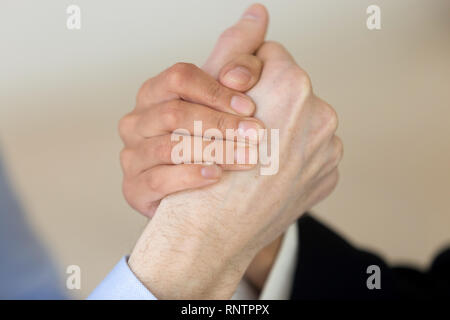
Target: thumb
{"x": 245, "y": 37}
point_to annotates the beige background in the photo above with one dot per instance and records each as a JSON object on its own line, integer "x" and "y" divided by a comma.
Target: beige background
{"x": 62, "y": 93}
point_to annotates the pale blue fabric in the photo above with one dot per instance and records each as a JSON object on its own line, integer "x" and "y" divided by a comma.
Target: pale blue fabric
{"x": 121, "y": 284}
{"x": 26, "y": 270}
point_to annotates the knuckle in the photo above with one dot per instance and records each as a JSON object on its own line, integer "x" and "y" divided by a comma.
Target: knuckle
{"x": 338, "y": 151}
{"x": 143, "y": 96}
{"x": 301, "y": 82}
{"x": 180, "y": 73}
{"x": 126, "y": 125}
{"x": 334, "y": 179}
{"x": 154, "y": 183}
{"x": 126, "y": 159}
{"x": 170, "y": 114}
{"x": 231, "y": 33}
{"x": 331, "y": 121}
{"x": 273, "y": 46}
{"x": 327, "y": 118}
{"x": 276, "y": 52}
{"x": 221, "y": 122}
{"x": 213, "y": 92}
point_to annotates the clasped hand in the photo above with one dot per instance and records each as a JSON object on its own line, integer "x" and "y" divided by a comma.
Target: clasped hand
{"x": 208, "y": 222}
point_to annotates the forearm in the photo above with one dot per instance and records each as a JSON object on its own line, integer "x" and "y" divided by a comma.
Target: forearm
{"x": 191, "y": 263}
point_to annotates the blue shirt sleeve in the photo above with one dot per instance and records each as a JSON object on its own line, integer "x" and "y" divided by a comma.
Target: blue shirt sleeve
{"x": 121, "y": 284}
{"x": 26, "y": 268}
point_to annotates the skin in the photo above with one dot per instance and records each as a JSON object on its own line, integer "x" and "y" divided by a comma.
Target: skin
{"x": 175, "y": 99}
{"x": 146, "y": 130}
{"x": 172, "y": 100}
{"x": 200, "y": 242}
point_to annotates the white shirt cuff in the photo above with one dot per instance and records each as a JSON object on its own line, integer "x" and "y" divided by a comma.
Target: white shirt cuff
{"x": 278, "y": 285}
{"x": 122, "y": 284}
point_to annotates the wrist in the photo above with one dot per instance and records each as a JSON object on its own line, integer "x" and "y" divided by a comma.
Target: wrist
{"x": 182, "y": 263}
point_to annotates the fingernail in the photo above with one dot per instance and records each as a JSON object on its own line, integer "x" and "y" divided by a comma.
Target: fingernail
{"x": 252, "y": 13}
{"x": 242, "y": 105}
{"x": 238, "y": 75}
{"x": 249, "y": 129}
{"x": 211, "y": 172}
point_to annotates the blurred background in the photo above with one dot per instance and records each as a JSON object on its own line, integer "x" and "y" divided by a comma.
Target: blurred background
{"x": 63, "y": 92}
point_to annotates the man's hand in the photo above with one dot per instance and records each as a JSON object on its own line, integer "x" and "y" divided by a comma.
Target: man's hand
{"x": 174, "y": 100}
{"x": 200, "y": 242}
{"x": 181, "y": 95}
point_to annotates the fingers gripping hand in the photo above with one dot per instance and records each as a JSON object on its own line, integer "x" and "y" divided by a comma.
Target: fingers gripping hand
{"x": 181, "y": 95}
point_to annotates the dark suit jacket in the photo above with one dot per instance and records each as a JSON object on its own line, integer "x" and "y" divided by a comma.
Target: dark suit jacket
{"x": 329, "y": 267}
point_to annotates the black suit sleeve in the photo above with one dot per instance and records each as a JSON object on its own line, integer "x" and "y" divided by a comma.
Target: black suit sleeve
{"x": 329, "y": 267}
